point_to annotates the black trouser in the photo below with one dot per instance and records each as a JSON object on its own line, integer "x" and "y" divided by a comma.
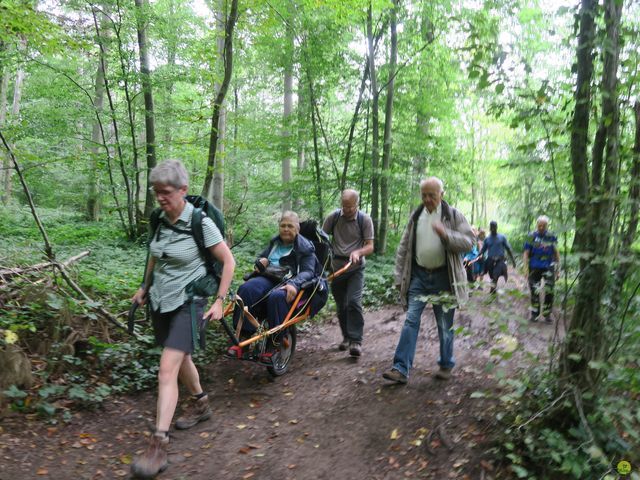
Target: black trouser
{"x": 535, "y": 275}
{"x": 347, "y": 292}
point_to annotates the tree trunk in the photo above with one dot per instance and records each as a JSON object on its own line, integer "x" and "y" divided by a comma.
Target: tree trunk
{"x": 6, "y": 161}
{"x": 580, "y": 123}
{"x": 172, "y": 48}
{"x": 222, "y": 92}
{"x": 93, "y": 195}
{"x": 316, "y": 153}
{"x": 586, "y": 334}
{"x": 287, "y": 115}
{"x": 15, "y": 111}
{"x": 216, "y": 193}
{"x": 302, "y": 133}
{"x": 388, "y": 122}
{"x": 352, "y": 127}
{"x": 149, "y": 122}
{"x": 375, "y": 131}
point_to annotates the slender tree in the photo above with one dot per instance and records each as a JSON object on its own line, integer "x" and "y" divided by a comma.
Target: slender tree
{"x": 149, "y": 120}
{"x": 220, "y": 96}
{"x": 375, "y": 131}
{"x": 388, "y": 122}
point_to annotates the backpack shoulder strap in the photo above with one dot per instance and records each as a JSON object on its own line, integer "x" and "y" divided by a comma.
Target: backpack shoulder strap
{"x": 334, "y": 222}
{"x": 360, "y": 216}
{"x": 198, "y": 237}
{"x": 154, "y": 221}
{"x": 196, "y": 227}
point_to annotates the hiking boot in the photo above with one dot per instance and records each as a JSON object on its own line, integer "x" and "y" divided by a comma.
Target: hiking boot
{"x": 355, "y": 349}
{"x": 443, "y": 374}
{"x": 153, "y": 460}
{"x": 534, "y": 317}
{"x": 344, "y": 344}
{"x": 395, "y": 376}
{"x": 196, "y": 411}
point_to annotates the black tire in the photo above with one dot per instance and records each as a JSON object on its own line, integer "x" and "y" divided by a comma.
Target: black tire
{"x": 282, "y": 356}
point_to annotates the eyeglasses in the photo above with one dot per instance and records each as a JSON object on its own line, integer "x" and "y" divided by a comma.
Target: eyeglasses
{"x": 163, "y": 192}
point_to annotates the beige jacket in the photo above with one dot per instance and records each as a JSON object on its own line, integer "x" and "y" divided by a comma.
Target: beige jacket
{"x": 459, "y": 241}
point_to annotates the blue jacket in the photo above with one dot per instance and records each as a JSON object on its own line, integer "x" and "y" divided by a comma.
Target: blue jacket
{"x": 301, "y": 261}
{"x": 541, "y": 249}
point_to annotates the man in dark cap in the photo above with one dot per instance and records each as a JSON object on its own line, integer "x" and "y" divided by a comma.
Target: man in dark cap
{"x": 495, "y": 245}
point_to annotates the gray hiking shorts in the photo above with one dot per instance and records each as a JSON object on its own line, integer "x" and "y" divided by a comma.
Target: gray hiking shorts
{"x": 174, "y": 329}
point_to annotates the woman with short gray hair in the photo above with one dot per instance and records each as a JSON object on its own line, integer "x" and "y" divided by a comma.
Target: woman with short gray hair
{"x": 175, "y": 266}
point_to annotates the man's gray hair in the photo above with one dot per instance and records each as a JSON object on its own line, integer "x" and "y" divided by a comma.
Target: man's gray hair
{"x": 170, "y": 172}
{"x": 433, "y": 179}
{"x": 291, "y": 215}
{"x": 543, "y": 218}
{"x": 350, "y": 193}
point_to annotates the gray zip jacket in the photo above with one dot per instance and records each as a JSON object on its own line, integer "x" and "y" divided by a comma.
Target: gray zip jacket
{"x": 459, "y": 241}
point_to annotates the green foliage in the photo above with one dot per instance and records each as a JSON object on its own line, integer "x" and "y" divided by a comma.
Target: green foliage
{"x": 379, "y": 283}
{"x": 548, "y": 432}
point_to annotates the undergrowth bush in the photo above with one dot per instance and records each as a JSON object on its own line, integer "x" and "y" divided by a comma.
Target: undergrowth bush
{"x": 551, "y": 430}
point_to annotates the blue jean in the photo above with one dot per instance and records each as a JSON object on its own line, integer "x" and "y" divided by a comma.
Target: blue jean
{"x": 424, "y": 283}
{"x": 273, "y": 306}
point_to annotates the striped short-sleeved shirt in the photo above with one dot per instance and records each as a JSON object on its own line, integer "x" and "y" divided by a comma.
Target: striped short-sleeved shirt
{"x": 178, "y": 260}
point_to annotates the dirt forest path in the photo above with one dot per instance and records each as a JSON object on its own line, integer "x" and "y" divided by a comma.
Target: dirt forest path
{"x": 329, "y": 417}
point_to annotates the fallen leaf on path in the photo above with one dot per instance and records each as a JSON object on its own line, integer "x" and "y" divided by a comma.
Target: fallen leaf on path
{"x": 243, "y": 450}
{"x": 291, "y": 466}
{"x": 293, "y": 422}
{"x": 460, "y": 462}
{"x": 121, "y": 473}
{"x": 126, "y": 459}
{"x": 42, "y": 471}
{"x": 486, "y": 465}
{"x": 187, "y": 454}
{"x": 241, "y": 426}
{"x": 248, "y": 475}
{"x": 394, "y": 434}
{"x": 205, "y": 435}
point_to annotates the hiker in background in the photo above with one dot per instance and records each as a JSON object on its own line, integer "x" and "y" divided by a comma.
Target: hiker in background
{"x": 280, "y": 271}
{"x": 175, "y": 262}
{"x": 471, "y": 258}
{"x": 478, "y": 266}
{"x": 351, "y": 233}
{"x": 495, "y": 245}
{"x": 541, "y": 260}
{"x": 429, "y": 263}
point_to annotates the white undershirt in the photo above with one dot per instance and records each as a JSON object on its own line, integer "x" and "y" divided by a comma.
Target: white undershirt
{"x": 430, "y": 251}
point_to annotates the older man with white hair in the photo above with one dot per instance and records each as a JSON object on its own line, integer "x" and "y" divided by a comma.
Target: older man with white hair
{"x": 541, "y": 260}
{"x": 428, "y": 270}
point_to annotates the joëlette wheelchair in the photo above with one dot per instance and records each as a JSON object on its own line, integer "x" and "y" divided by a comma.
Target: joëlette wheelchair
{"x": 274, "y": 347}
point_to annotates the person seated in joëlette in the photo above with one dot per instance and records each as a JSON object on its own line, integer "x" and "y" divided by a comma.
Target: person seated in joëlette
{"x": 281, "y": 270}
